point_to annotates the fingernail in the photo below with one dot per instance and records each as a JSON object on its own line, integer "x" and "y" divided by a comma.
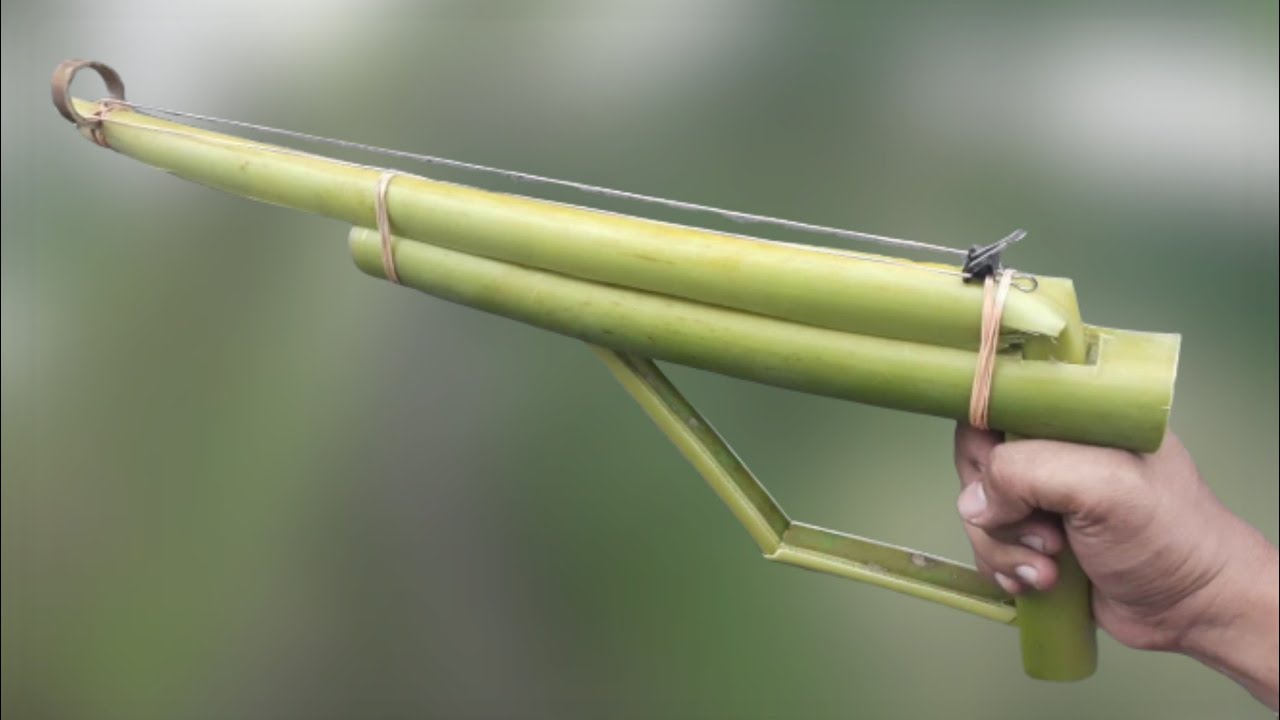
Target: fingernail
{"x": 1035, "y": 542}
{"x": 1028, "y": 574}
{"x": 1007, "y": 583}
{"x": 972, "y": 501}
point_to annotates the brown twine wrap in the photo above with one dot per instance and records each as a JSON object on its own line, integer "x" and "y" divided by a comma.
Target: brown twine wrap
{"x": 994, "y": 293}
{"x": 384, "y": 227}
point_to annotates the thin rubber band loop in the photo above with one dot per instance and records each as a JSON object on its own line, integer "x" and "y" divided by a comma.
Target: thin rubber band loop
{"x": 994, "y": 293}
{"x": 384, "y": 227}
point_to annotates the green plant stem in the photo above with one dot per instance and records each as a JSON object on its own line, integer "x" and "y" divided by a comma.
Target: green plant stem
{"x": 863, "y": 293}
{"x": 838, "y": 323}
{"x": 1057, "y": 633}
{"x": 1122, "y": 400}
{"x": 782, "y": 540}
{"x": 702, "y": 446}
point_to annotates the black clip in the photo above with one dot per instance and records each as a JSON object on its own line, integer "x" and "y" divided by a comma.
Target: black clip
{"x": 982, "y": 262}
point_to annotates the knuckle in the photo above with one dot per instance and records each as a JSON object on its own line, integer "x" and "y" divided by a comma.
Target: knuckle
{"x": 1118, "y": 483}
{"x": 977, "y": 538}
{"x": 1125, "y": 471}
{"x": 1002, "y": 467}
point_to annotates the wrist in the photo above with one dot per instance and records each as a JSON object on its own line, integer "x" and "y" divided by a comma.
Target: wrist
{"x": 1234, "y": 628}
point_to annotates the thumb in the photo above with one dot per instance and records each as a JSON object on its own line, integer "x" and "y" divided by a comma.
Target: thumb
{"x": 1023, "y": 476}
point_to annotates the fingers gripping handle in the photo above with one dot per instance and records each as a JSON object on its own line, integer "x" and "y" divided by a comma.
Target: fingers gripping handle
{"x": 1056, "y": 628}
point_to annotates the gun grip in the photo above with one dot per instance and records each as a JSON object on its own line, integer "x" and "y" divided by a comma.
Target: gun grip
{"x": 1056, "y": 628}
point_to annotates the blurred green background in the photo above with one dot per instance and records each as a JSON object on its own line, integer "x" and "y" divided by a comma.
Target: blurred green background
{"x": 241, "y": 479}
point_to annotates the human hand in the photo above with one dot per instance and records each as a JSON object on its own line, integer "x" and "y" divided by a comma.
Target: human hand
{"x": 1172, "y": 568}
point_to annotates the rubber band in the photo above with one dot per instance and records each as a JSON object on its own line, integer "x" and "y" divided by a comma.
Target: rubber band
{"x": 994, "y": 293}
{"x": 384, "y": 227}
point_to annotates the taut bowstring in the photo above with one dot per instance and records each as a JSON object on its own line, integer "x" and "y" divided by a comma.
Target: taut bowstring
{"x": 979, "y": 261}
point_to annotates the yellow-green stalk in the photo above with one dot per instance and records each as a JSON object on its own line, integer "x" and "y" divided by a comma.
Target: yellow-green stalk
{"x": 817, "y": 286}
{"x": 838, "y": 323}
{"x": 1120, "y": 401}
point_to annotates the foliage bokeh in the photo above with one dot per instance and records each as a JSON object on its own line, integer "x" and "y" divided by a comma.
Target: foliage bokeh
{"x": 241, "y": 479}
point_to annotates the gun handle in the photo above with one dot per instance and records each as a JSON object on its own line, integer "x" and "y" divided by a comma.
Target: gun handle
{"x": 1056, "y": 628}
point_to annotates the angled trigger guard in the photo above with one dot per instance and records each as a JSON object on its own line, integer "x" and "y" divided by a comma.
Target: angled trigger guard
{"x": 784, "y": 540}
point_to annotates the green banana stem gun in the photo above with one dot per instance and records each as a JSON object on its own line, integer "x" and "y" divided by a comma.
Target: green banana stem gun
{"x": 869, "y": 328}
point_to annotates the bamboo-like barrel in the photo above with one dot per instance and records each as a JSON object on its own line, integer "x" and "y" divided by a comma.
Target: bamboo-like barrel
{"x": 848, "y": 325}
{"x": 893, "y": 334}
